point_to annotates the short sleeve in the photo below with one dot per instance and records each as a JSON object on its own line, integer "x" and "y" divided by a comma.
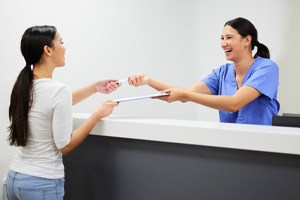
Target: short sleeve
{"x": 62, "y": 124}
{"x": 212, "y": 81}
{"x": 265, "y": 78}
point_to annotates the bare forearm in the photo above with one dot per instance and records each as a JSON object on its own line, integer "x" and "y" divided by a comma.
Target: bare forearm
{"x": 158, "y": 85}
{"x": 232, "y": 103}
{"x": 79, "y": 134}
{"x": 227, "y": 103}
{"x": 83, "y": 93}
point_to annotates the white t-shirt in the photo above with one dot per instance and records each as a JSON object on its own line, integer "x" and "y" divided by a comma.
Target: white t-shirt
{"x": 50, "y": 128}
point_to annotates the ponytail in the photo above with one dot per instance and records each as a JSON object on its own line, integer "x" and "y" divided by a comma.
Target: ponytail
{"x": 32, "y": 47}
{"x": 20, "y": 104}
{"x": 262, "y": 50}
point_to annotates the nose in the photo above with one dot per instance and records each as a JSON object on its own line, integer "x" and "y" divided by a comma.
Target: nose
{"x": 223, "y": 43}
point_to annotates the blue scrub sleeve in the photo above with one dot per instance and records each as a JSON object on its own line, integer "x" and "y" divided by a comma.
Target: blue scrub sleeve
{"x": 265, "y": 79}
{"x": 212, "y": 81}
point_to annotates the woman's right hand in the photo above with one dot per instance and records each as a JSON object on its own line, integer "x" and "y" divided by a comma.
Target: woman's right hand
{"x": 138, "y": 80}
{"x": 104, "y": 109}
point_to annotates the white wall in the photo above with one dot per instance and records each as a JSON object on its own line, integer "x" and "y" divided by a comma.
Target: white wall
{"x": 177, "y": 41}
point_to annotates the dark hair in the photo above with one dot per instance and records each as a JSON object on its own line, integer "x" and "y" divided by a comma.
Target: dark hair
{"x": 244, "y": 27}
{"x": 32, "y": 46}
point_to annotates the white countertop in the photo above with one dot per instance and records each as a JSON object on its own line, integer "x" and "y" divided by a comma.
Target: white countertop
{"x": 213, "y": 134}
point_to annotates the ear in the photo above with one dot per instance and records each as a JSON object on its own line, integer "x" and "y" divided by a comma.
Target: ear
{"x": 47, "y": 50}
{"x": 247, "y": 40}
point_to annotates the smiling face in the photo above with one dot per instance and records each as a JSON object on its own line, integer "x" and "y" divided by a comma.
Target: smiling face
{"x": 234, "y": 45}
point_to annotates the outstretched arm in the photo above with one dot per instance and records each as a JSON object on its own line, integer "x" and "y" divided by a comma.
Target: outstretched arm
{"x": 138, "y": 80}
{"x": 104, "y": 86}
{"x": 79, "y": 134}
{"x": 242, "y": 97}
{"x": 200, "y": 87}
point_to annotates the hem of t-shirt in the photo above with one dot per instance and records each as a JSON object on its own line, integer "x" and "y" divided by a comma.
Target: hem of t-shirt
{"x": 208, "y": 85}
{"x": 267, "y": 95}
{"x": 61, "y": 145}
{"x": 36, "y": 174}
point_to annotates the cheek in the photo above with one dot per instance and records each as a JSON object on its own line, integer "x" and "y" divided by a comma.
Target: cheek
{"x": 63, "y": 50}
{"x": 235, "y": 45}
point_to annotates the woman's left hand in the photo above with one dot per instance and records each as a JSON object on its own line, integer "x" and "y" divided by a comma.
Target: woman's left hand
{"x": 176, "y": 94}
{"x": 106, "y": 86}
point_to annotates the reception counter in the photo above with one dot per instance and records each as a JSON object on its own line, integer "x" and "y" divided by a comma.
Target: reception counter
{"x": 129, "y": 158}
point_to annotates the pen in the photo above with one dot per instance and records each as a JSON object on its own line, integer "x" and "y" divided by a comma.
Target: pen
{"x": 122, "y": 81}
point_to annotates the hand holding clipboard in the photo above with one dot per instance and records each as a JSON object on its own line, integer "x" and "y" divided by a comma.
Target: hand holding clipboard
{"x": 138, "y": 97}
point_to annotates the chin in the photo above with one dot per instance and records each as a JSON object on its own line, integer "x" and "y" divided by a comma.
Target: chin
{"x": 228, "y": 58}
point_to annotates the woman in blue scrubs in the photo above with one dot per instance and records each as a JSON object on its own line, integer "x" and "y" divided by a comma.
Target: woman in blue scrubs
{"x": 244, "y": 91}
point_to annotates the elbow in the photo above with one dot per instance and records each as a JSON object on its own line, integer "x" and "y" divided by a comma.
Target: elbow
{"x": 233, "y": 107}
{"x": 232, "y": 104}
{"x": 65, "y": 151}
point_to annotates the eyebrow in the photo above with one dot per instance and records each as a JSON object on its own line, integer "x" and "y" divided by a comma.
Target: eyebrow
{"x": 227, "y": 35}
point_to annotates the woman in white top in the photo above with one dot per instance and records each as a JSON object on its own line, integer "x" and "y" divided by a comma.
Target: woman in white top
{"x": 40, "y": 116}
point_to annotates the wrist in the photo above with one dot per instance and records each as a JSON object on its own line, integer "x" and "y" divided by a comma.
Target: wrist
{"x": 95, "y": 117}
{"x": 93, "y": 87}
{"x": 184, "y": 96}
{"x": 147, "y": 80}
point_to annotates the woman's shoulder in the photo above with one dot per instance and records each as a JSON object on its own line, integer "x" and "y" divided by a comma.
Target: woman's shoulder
{"x": 59, "y": 83}
{"x": 225, "y": 68}
{"x": 48, "y": 81}
{"x": 260, "y": 61}
{"x": 50, "y": 84}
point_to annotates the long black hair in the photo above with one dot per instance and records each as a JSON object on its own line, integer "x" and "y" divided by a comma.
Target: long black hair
{"x": 244, "y": 27}
{"x": 32, "y": 47}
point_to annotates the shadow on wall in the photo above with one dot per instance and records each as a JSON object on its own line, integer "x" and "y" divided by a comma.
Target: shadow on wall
{"x": 289, "y": 63}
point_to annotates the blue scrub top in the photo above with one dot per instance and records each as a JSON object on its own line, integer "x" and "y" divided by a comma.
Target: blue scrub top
{"x": 263, "y": 75}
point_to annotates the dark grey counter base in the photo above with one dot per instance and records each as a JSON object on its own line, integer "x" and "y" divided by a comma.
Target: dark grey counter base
{"x": 106, "y": 168}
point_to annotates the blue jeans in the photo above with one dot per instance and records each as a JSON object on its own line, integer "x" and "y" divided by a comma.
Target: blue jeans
{"x": 25, "y": 187}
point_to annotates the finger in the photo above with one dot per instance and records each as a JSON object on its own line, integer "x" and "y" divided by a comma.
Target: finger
{"x": 130, "y": 80}
{"x": 113, "y": 86}
{"x": 113, "y": 103}
{"x": 134, "y": 80}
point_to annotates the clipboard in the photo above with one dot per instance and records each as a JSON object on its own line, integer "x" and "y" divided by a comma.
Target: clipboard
{"x": 141, "y": 97}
